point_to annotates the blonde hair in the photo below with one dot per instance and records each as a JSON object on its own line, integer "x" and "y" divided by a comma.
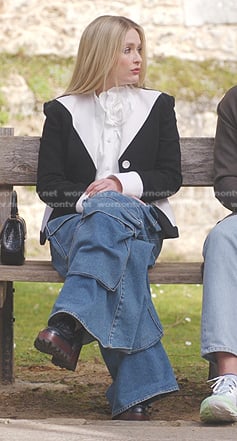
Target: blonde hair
{"x": 99, "y": 49}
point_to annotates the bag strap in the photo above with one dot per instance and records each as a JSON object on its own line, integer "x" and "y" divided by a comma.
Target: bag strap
{"x": 14, "y": 208}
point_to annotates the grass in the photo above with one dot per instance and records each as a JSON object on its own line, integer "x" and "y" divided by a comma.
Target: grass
{"x": 43, "y": 74}
{"x": 47, "y": 76}
{"x": 191, "y": 80}
{"x": 179, "y": 308}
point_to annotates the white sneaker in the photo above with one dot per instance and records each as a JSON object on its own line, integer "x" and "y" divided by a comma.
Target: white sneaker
{"x": 222, "y": 404}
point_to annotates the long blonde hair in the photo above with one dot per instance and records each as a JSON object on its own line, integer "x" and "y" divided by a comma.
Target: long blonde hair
{"x": 99, "y": 49}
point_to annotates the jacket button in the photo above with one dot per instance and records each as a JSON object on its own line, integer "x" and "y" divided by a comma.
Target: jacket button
{"x": 126, "y": 164}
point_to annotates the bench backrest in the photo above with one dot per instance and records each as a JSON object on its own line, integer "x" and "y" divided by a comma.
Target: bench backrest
{"x": 19, "y": 155}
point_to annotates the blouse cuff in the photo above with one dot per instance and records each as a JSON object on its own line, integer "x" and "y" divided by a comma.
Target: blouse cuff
{"x": 131, "y": 183}
{"x": 79, "y": 206}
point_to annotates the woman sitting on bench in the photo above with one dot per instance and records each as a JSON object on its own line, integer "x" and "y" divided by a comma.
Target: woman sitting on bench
{"x": 109, "y": 159}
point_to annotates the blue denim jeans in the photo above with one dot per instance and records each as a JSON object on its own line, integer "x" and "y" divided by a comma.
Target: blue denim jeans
{"x": 219, "y": 324}
{"x": 104, "y": 255}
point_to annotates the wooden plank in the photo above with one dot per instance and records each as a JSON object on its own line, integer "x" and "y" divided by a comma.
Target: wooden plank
{"x": 176, "y": 273}
{"x": 31, "y": 271}
{"x": 6, "y": 133}
{"x": 163, "y": 272}
{"x": 197, "y": 161}
{"x": 19, "y": 156}
{"x": 6, "y": 336}
{"x": 2, "y": 301}
{"x": 5, "y": 202}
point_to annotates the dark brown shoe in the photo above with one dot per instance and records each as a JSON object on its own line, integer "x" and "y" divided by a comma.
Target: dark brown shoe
{"x": 135, "y": 413}
{"x": 62, "y": 342}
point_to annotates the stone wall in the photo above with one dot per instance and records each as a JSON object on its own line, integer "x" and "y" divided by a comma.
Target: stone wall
{"x": 188, "y": 29}
{"x": 193, "y": 29}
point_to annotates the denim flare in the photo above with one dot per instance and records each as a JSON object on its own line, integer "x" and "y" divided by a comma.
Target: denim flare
{"x": 104, "y": 255}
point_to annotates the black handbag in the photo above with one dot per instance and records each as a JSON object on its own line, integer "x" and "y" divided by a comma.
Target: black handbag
{"x": 13, "y": 236}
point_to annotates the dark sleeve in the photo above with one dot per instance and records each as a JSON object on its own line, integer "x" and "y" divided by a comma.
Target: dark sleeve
{"x": 54, "y": 186}
{"x": 225, "y": 151}
{"x": 165, "y": 178}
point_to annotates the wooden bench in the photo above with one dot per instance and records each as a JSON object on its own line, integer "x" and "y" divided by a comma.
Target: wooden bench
{"x": 18, "y": 167}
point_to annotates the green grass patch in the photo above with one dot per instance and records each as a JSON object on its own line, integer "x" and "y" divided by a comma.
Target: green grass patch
{"x": 179, "y": 308}
{"x": 48, "y": 76}
{"x": 33, "y": 303}
{"x": 190, "y": 80}
{"x": 44, "y": 74}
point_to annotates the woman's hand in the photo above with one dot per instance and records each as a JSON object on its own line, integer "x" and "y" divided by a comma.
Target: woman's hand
{"x": 107, "y": 184}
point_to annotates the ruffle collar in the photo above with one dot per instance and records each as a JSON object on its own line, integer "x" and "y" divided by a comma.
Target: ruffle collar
{"x": 117, "y": 105}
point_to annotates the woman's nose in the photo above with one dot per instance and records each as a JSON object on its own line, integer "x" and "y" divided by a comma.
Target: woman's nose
{"x": 137, "y": 57}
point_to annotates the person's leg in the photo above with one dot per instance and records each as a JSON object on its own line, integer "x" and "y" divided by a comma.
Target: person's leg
{"x": 63, "y": 339}
{"x": 219, "y": 325}
{"x": 138, "y": 379}
{"x": 107, "y": 252}
{"x": 226, "y": 363}
{"x": 107, "y": 291}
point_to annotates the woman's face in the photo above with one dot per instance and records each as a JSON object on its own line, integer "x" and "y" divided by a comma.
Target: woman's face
{"x": 129, "y": 63}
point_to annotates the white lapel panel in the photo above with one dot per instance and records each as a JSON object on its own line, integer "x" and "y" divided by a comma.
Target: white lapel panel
{"x": 86, "y": 121}
{"x": 89, "y": 122}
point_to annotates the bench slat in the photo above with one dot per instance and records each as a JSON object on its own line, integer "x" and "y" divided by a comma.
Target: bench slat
{"x": 197, "y": 161}
{"x": 176, "y": 273}
{"x": 20, "y": 169}
{"x": 163, "y": 272}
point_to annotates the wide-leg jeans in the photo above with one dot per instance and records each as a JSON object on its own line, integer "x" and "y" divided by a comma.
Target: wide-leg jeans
{"x": 219, "y": 324}
{"x": 104, "y": 255}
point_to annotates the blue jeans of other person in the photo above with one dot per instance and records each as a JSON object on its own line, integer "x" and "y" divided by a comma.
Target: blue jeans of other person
{"x": 104, "y": 255}
{"x": 219, "y": 324}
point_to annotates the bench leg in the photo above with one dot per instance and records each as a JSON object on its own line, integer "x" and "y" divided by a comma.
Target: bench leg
{"x": 6, "y": 333}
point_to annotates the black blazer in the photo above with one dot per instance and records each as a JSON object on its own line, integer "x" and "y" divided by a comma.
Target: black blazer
{"x": 65, "y": 167}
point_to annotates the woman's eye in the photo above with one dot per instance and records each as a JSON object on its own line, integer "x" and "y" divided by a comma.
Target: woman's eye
{"x": 127, "y": 50}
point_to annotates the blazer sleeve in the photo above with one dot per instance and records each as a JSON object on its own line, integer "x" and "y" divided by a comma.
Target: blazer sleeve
{"x": 225, "y": 151}
{"x": 165, "y": 178}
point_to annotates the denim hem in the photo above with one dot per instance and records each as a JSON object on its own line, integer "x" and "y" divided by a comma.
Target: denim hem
{"x": 96, "y": 338}
{"x": 209, "y": 353}
{"x": 147, "y": 398}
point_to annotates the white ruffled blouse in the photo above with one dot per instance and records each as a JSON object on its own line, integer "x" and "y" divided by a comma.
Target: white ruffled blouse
{"x": 115, "y": 106}
{"x": 112, "y": 109}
